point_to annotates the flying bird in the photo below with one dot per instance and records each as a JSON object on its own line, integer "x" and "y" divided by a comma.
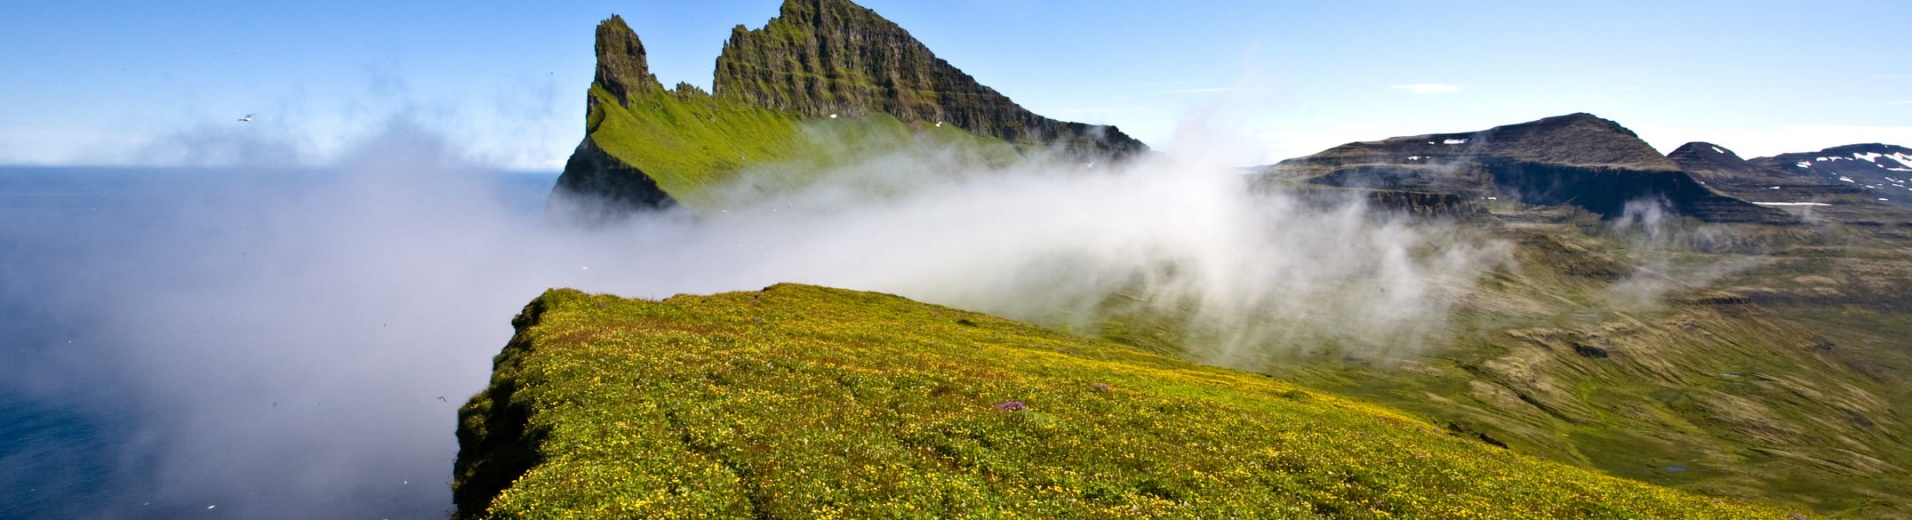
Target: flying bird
{"x": 247, "y": 119}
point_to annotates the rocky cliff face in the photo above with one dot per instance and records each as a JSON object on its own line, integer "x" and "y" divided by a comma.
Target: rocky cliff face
{"x": 817, "y": 59}
{"x": 825, "y": 57}
{"x": 594, "y": 183}
{"x": 622, "y": 65}
{"x": 1576, "y": 159}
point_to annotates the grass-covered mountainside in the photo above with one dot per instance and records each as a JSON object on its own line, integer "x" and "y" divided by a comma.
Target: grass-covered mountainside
{"x": 1688, "y": 323}
{"x": 1575, "y": 354}
{"x": 800, "y": 401}
{"x": 1666, "y": 342}
{"x": 1576, "y": 159}
{"x": 824, "y": 82}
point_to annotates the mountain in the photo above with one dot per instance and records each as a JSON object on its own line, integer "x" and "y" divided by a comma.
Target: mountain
{"x": 1724, "y": 170}
{"x": 820, "y": 68}
{"x": 819, "y": 58}
{"x": 1882, "y": 170}
{"x": 1577, "y": 159}
{"x": 801, "y": 401}
{"x": 1767, "y": 350}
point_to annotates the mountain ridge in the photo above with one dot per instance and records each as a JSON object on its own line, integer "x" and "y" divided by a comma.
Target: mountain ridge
{"x": 1576, "y": 159}
{"x": 823, "y": 61}
{"x": 820, "y": 58}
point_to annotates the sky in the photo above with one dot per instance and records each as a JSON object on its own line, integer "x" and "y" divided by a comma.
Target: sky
{"x": 112, "y": 82}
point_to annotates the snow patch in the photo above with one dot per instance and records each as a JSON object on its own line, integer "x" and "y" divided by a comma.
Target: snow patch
{"x": 1870, "y": 157}
{"x": 1455, "y": 141}
{"x": 1843, "y": 178}
{"x": 1904, "y": 160}
{"x": 1721, "y": 152}
{"x": 1803, "y": 164}
{"x": 1784, "y": 204}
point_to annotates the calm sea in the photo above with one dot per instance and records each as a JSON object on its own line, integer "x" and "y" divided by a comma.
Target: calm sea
{"x": 72, "y": 432}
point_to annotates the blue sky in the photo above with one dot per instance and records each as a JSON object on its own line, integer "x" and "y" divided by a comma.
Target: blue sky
{"x": 92, "y": 82}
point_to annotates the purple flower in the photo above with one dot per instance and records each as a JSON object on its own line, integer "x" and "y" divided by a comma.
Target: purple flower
{"x": 1011, "y": 406}
{"x": 1099, "y": 387}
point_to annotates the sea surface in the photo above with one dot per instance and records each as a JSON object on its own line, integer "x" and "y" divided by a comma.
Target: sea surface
{"x": 86, "y": 431}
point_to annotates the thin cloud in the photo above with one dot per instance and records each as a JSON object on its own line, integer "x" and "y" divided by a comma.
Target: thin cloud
{"x": 1901, "y": 102}
{"x": 1204, "y": 90}
{"x": 1427, "y": 89}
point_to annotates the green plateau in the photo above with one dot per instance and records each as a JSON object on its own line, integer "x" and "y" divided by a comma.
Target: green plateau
{"x": 802, "y": 401}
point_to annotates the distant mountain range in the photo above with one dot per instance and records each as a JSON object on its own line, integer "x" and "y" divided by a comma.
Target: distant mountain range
{"x": 1880, "y": 169}
{"x": 1599, "y": 165}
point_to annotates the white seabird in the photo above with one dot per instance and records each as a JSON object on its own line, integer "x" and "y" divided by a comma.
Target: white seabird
{"x": 247, "y": 119}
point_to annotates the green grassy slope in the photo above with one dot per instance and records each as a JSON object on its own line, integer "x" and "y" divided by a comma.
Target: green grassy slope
{"x": 1698, "y": 389}
{"x": 801, "y": 401}
{"x": 694, "y": 144}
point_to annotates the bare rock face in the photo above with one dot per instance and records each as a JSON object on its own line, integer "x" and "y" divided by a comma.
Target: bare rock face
{"x": 1575, "y": 159}
{"x": 825, "y": 57}
{"x": 622, "y": 67}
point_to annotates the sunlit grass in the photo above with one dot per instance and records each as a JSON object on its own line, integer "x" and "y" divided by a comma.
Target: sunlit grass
{"x": 692, "y": 143}
{"x": 801, "y": 401}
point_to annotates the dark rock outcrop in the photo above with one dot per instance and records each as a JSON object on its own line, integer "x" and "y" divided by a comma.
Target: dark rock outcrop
{"x": 622, "y": 65}
{"x": 825, "y": 57}
{"x": 596, "y": 186}
{"x": 1576, "y": 159}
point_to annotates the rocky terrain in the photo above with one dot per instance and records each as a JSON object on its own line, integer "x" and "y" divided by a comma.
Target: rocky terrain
{"x": 818, "y": 63}
{"x": 820, "y": 58}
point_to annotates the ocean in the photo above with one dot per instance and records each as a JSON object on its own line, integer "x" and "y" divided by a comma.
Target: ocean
{"x": 105, "y": 411}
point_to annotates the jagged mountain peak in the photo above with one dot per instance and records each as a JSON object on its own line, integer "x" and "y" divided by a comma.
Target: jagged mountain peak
{"x": 819, "y": 58}
{"x": 622, "y": 66}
